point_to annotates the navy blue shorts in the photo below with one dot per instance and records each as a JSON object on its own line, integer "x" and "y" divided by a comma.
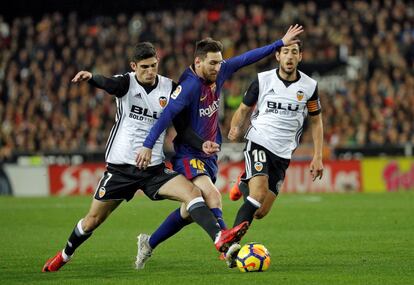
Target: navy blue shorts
{"x": 191, "y": 166}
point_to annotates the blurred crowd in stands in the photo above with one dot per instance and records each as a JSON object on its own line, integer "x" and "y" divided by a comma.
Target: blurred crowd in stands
{"x": 371, "y": 44}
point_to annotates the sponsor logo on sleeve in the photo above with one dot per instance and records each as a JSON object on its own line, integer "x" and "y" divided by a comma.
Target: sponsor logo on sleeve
{"x": 176, "y": 92}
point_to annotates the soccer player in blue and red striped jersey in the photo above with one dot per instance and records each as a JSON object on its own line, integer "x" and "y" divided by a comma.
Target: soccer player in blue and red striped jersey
{"x": 195, "y": 102}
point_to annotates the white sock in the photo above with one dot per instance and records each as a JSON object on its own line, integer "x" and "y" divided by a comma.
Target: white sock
{"x": 254, "y": 202}
{"x": 66, "y": 257}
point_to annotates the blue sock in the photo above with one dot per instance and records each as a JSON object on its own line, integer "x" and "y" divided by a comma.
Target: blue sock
{"x": 219, "y": 216}
{"x": 171, "y": 225}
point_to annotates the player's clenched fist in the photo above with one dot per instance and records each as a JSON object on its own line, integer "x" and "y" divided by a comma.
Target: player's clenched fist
{"x": 210, "y": 147}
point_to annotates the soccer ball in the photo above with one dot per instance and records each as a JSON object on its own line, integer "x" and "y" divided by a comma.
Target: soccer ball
{"x": 252, "y": 257}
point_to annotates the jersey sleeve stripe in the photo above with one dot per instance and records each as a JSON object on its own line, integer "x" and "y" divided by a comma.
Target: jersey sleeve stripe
{"x": 114, "y": 129}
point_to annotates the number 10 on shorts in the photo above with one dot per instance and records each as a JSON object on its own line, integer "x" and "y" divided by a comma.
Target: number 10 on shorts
{"x": 197, "y": 164}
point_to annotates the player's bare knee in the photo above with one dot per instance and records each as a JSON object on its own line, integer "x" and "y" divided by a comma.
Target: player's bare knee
{"x": 195, "y": 192}
{"x": 192, "y": 193}
{"x": 213, "y": 199}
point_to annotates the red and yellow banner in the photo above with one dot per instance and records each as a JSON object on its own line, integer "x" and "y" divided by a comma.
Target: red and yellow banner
{"x": 76, "y": 179}
{"x": 366, "y": 175}
{"x": 386, "y": 174}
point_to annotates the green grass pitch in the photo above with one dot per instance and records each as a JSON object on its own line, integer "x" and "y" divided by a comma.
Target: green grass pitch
{"x": 313, "y": 239}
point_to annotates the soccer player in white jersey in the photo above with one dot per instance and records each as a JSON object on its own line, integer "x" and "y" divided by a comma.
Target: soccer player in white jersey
{"x": 279, "y": 100}
{"x": 141, "y": 96}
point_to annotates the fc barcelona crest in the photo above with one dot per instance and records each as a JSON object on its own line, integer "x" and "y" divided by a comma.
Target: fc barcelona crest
{"x": 300, "y": 95}
{"x": 163, "y": 101}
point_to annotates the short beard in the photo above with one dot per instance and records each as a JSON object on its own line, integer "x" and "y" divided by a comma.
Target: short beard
{"x": 207, "y": 80}
{"x": 288, "y": 72}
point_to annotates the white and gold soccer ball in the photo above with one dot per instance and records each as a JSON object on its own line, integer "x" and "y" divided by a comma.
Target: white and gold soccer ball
{"x": 253, "y": 257}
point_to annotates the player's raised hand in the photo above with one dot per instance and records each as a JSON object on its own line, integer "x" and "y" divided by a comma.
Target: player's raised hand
{"x": 82, "y": 76}
{"x": 143, "y": 158}
{"x": 210, "y": 147}
{"x": 234, "y": 133}
{"x": 316, "y": 168}
{"x": 290, "y": 37}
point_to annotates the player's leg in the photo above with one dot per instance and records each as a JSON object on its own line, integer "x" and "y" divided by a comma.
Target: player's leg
{"x": 264, "y": 191}
{"x": 202, "y": 172}
{"x": 258, "y": 186}
{"x": 174, "y": 222}
{"x": 212, "y": 196}
{"x": 183, "y": 190}
{"x": 266, "y": 205}
{"x": 200, "y": 213}
{"x": 179, "y": 188}
{"x": 257, "y": 168}
{"x": 241, "y": 188}
{"x": 98, "y": 212}
{"x": 115, "y": 186}
{"x": 277, "y": 172}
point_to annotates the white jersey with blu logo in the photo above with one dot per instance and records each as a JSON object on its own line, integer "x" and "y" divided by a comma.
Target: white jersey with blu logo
{"x": 136, "y": 113}
{"x": 282, "y": 106}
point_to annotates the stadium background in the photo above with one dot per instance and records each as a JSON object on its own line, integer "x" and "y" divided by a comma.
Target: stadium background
{"x": 363, "y": 59}
{"x": 53, "y": 133}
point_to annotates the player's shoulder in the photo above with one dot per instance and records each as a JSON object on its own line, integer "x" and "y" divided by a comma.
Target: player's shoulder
{"x": 165, "y": 81}
{"x": 127, "y": 75}
{"x": 189, "y": 80}
{"x": 307, "y": 79}
{"x": 267, "y": 73}
{"x": 164, "y": 78}
{"x": 125, "y": 79}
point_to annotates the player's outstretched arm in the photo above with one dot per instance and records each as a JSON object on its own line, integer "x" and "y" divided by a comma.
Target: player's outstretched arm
{"x": 116, "y": 85}
{"x": 316, "y": 166}
{"x": 238, "y": 120}
{"x": 235, "y": 63}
